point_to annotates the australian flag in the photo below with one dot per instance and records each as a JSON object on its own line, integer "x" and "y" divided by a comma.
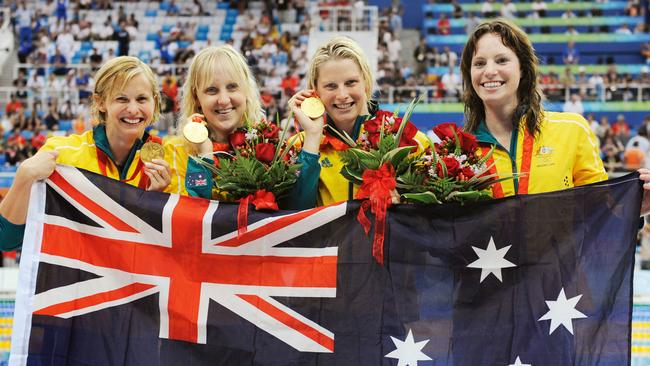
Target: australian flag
{"x": 113, "y": 275}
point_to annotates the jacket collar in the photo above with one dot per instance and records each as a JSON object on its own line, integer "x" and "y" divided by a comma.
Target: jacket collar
{"x": 101, "y": 141}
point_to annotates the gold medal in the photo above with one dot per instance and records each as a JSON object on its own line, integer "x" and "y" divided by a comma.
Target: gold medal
{"x": 195, "y": 132}
{"x": 151, "y": 150}
{"x": 313, "y": 107}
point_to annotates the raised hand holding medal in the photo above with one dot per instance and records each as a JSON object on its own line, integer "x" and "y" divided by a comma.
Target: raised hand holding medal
{"x": 196, "y": 131}
{"x": 152, "y": 150}
{"x": 152, "y": 154}
{"x": 313, "y": 107}
{"x": 309, "y": 111}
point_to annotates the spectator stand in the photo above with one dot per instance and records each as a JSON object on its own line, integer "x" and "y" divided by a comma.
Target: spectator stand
{"x": 358, "y": 22}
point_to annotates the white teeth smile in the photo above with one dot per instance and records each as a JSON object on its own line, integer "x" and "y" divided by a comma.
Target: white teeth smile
{"x": 493, "y": 84}
{"x": 223, "y": 111}
{"x": 131, "y": 121}
{"x": 344, "y": 106}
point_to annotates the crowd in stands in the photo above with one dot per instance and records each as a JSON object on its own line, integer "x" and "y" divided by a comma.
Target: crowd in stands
{"x": 622, "y": 149}
{"x": 609, "y": 86}
{"x": 52, "y": 94}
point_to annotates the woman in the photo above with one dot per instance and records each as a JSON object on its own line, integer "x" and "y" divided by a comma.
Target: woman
{"x": 339, "y": 74}
{"x": 546, "y": 151}
{"x": 125, "y": 101}
{"x": 222, "y": 91}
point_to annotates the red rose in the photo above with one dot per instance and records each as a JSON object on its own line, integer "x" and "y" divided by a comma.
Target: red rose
{"x": 374, "y": 140}
{"x": 271, "y": 131}
{"x": 372, "y": 125}
{"x": 237, "y": 138}
{"x": 468, "y": 142}
{"x": 381, "y": 114}
{"x": 468, "y": 172}
{"x": 447, "y": 129}
{"x": 396, "y": 123}
{"x": 264, "y": 152}
{"x": 408, "y": 134}
{"x": 453, "y": 166}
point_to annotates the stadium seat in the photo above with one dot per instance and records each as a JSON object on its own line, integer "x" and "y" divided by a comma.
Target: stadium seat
{"x": 27, "y": 134}
{"x": 65, "y": 125}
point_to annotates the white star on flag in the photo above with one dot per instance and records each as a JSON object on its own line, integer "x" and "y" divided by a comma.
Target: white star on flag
{"x": 562, "y": 311}
{"x": 408, "y": 352}
{"x": 491, "y": 260}
{"x": 518, "y": 363}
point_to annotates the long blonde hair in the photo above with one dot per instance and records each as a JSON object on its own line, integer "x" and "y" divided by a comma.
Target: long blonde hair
{"x": 201, "y": 74}
{"x": 112, "y": 78}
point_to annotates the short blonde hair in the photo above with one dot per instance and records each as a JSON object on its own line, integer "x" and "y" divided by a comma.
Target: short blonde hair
{"x": 112, "y": 78}
{"x": 340, "y": 47}
{"x": 201, "y": 74}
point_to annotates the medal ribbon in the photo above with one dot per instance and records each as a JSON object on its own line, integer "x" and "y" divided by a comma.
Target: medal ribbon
{"x": 526, "y": 161}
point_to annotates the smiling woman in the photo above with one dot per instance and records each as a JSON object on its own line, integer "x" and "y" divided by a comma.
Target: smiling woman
{"x": 545, "y": 151}
{"x": 125, "y": 101}
{"x": 339, "y": 74}
{"x": 221, "y": 92}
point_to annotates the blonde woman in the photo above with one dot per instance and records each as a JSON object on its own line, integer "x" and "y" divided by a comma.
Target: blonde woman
{"x": 125, "y": 101}
{"x": 339, "y": 74}
{"x": 220, "y": 89}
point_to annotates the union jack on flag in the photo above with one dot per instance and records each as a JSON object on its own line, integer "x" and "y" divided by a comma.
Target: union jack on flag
{"x": 178, "y": 257}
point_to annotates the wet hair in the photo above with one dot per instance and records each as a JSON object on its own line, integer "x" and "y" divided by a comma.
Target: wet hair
{"x": 112, "y": 78}
{"x": 528, "y": 94}
{"x": 340, "y": 48}
{"x": 201, "y": 74}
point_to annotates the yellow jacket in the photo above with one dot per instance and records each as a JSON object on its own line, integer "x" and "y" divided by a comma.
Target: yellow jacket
{"x": 91, "y": 151}
{"x": 565, "y": 154}
{"x": 178, "y": 155}
{"x": 189, "y": 178}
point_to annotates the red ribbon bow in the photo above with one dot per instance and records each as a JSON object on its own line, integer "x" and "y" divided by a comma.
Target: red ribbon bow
{"x": 262, "y": 200}
{"x": 377, "y": 186}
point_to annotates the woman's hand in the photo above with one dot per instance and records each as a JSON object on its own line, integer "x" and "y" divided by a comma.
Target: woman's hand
{"x": 204, "y": 148}
{"x": 38, "y": 167}
{"x": 14, "y": 205}
{"x": 159, "y": 174}
{"x": 644, "y": 175}
{"x": 313, "y": 127}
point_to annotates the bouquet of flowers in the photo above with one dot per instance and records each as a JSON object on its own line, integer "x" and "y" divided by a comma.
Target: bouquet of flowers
{"x": 259, "y": 167}
{"x": 387, "y": 164}
{"x": 385, "y": 150}
{"x": 449, "y": 170}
